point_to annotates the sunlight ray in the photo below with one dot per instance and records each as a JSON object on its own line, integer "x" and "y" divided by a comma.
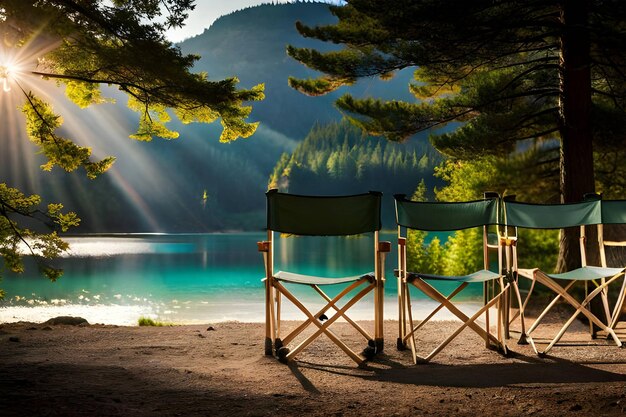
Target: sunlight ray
{"x": 105, "y": 129}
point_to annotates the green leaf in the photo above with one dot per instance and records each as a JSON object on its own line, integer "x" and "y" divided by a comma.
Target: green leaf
{"x": 41, "y": 126}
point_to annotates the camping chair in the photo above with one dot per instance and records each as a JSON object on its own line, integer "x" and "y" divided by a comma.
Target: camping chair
{"x": 559, "y": 216}
{"x": 322, "y": 216}
{"x": 429, "y": 216}
{"x": 613, "y": 213}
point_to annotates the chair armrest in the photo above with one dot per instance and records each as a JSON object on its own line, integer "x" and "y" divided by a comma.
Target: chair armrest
{"x": 263, "y": 246}
{"x": 508, "y": 241}
{"x": 402, "y": 241}
{"x": 384, "y": 246}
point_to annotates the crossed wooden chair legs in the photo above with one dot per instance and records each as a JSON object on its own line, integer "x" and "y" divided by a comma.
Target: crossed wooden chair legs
{"x": 496, "y": 341}
{"x": 275, "y": 343}
{"x": 581, "y": 307}
{"x": 368, "y": 284}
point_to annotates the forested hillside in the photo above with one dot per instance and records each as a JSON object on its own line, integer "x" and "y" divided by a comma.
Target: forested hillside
{"x": 338, "y": 158}
{"x": 193, "y": 183}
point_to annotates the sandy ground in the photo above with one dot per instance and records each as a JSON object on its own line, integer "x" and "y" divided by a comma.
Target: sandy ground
{"x": 220, "y": 369}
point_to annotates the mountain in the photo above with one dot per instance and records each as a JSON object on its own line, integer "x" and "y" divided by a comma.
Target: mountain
{"x": 194, "y": 183}
{"x": 251, "y": 44}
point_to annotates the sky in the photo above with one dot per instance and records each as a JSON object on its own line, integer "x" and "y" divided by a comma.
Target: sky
{"x": 207, "y": 11}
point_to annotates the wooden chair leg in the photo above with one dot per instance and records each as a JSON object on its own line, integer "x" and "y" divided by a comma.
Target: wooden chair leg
{"x": 269, "y": 332}
{"x": 526, "y": 337}
{"x": 278, "y": 313}
{"x": 400, "y": 303}
{"x": 487, "y": 327}
{"x": 619, "y": 304}
{"x": 468, "y": 322}
{"x": 379, "y": 338}
{"x": 502, "y": 326}
{"x": 431, "y": 292}
{"x": 580, "y": 308}
{"x": 507, "y": 314}
{"x": 294, "y": 333}
{"x": 605, "y": 302}
{"x": 550, "y": 305}
{"x": 592, "y": 331}
{"x": 409, "y": 312}
{"x": 323, "y": 328}
{"x": 345, "y": 317}
{"x": 432, "y": 313}
{"x": 522, "y": 339}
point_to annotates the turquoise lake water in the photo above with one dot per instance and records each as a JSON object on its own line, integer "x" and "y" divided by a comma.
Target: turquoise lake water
{"x": 199, "y": 278}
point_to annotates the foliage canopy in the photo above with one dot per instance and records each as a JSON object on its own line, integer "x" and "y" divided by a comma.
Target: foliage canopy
{"x": 84, "y": 44}
{"x": 536, "y": 89}
{"x": 507, "y": 70}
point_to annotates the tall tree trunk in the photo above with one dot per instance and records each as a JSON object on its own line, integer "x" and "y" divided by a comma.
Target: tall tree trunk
{"x": 577, "y": 175}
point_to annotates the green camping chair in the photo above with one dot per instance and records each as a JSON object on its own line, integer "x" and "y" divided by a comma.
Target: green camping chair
{"x": 613, "y": 213}
{"x": 429, "y": 216}
{"x": 559, "y": 216}
{"x": 322, "y": 216}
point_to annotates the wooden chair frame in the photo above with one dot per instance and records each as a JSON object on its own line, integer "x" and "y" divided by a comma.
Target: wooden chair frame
{"x": 561, "y": 293}
{"x": 581, "y": 307}
{"x": 407, "y": 329}
{"x": 275, "y": 289}
{"x": 619, "y": 304}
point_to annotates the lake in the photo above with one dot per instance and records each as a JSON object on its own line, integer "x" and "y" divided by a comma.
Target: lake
{"x": 190, "y": 278}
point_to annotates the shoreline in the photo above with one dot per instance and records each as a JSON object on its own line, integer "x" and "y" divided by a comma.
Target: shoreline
{"x": 246, "y": 311}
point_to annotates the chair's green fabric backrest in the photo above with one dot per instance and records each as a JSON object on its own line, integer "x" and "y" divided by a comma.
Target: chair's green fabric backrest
{"x": 323, "y": 216}
{"x": 434, "y": 216}
{"x": 552, "y": 216}
{"x": 614, "y": 211}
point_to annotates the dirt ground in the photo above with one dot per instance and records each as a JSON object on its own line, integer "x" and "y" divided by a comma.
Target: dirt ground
{"x": 220, "y": 369}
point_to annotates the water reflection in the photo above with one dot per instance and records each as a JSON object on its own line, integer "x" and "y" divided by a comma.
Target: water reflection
{"x": 183, "y": 278}
{"x": 325, "y": 256}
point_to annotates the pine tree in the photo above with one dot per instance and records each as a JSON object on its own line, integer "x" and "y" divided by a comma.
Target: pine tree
{"x": 339, "y": 158}
{"x": 539, "y": 78}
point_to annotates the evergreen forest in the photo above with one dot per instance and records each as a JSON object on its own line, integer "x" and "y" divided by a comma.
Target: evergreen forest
{"x": 339, "y": 158}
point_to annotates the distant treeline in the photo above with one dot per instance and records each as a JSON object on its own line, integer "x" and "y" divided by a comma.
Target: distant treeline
{"x": 338, "y": 158}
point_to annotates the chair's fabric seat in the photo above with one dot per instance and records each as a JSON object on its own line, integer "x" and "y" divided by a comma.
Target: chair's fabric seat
{"x": 587, "y": 273}
{"x": 313, "y": 280}
{"x": 478, "y": 276}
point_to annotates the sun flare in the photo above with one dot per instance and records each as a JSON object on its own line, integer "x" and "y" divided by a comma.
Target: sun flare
{"x": 12, "y": 67}
{"x": 9, "y": 70}
{"x": 100, "y": 128}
